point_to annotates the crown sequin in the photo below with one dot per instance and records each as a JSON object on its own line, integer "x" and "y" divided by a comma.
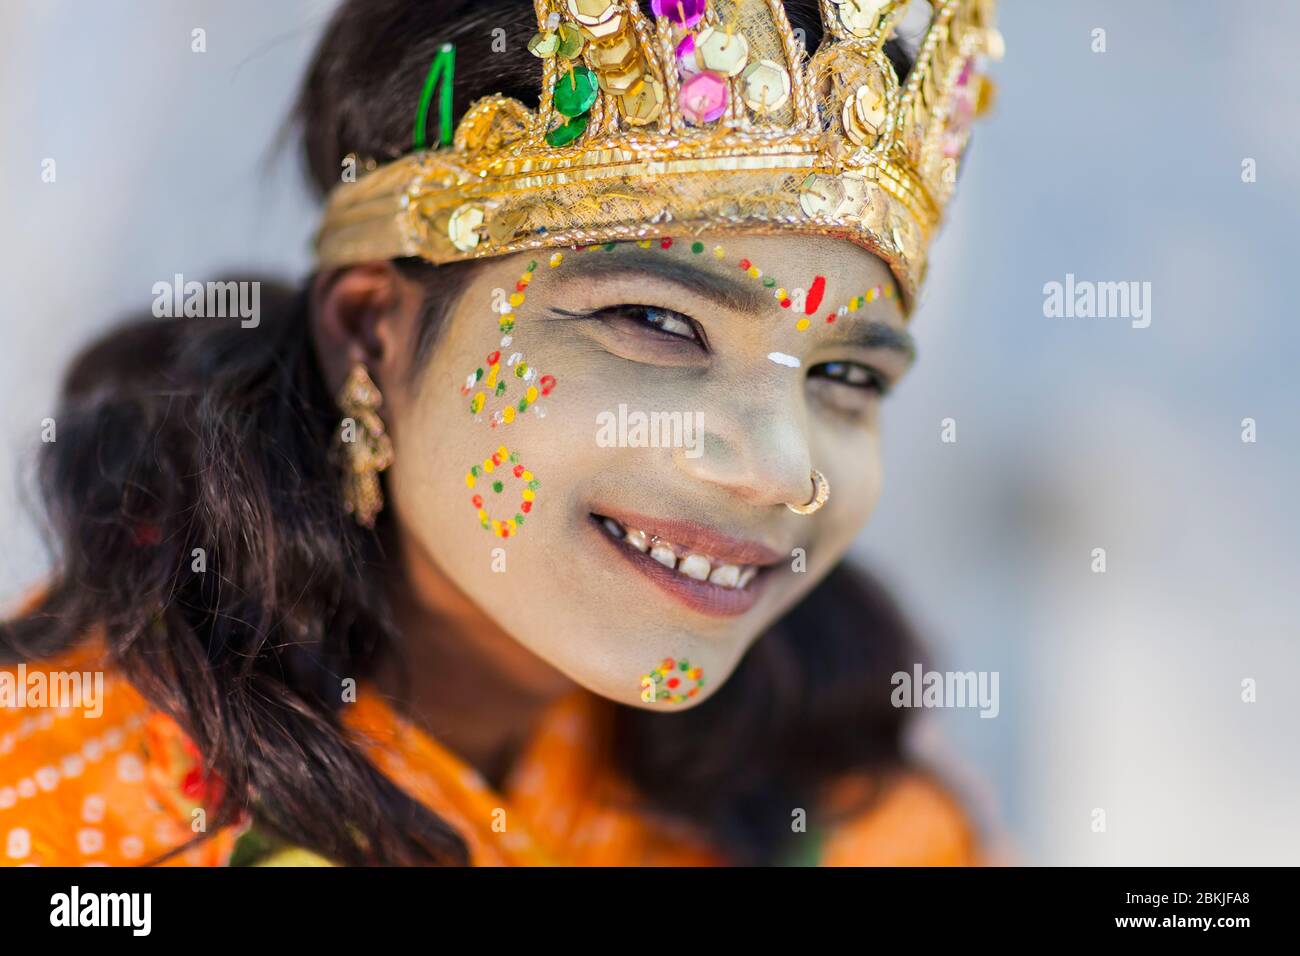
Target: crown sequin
{"x": 710, "y": 116}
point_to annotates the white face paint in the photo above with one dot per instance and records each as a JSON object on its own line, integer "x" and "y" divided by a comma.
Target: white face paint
{"x": 585, "y": 591}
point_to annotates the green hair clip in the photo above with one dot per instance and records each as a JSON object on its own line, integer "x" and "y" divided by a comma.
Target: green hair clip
{"x": 444, "y": 69}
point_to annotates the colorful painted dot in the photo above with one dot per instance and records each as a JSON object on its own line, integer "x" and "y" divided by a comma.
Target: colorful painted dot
{"x": 815, "y": 293}
{"x": 503, "y": 528}
{"x": 668, "y": 680}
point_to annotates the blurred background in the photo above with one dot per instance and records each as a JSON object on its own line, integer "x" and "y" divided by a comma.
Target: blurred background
{"x": 1119, "y": 691}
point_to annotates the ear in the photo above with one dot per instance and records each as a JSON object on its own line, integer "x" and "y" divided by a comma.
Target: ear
{"x": 363, "y": 314}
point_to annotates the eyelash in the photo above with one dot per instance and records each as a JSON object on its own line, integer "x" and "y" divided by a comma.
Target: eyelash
{"x": 852, "y": 374}
{"x": 632, "y": 309}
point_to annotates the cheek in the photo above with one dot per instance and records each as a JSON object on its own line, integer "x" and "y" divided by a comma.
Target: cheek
{"x": 524, "y": 476}
{"x": 854, "y": 467}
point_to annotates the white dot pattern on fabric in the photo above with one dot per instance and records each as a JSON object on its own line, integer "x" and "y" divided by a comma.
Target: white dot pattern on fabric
{"x": 130, "y": 768}
{"x": 60, "y": 777}
{"x": 47, "y": 778}
{"x": 90, "y": 840}
{"x": 92, "y": 809}
{"x": 18, "y": 845}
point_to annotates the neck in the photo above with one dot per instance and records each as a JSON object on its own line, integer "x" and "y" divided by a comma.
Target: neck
{"x": 457, "y": 674}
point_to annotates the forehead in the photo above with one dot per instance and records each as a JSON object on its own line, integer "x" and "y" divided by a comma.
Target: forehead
{"x": 830, "y": 287}
{"x": 748, "y": 272}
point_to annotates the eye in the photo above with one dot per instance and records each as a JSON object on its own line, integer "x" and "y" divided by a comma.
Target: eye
{"x": 851, "y": 374}
{"x": 650, "y": 318}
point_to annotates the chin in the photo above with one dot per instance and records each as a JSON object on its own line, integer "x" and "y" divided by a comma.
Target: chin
{"x": 654, "y": 665}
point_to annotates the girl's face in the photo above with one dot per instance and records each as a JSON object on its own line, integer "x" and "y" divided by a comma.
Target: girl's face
{"x": 601, "y": 448}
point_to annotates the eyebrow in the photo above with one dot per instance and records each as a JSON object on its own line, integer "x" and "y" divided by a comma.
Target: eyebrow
{"x": 875, "y": 334}
{"x": 732, "y": 293}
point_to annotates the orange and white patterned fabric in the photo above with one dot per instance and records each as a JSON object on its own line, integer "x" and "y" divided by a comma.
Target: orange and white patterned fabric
{"x": 127, "y": 788}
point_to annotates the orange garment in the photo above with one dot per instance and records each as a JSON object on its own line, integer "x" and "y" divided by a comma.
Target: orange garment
{"x": 127, "y": 787}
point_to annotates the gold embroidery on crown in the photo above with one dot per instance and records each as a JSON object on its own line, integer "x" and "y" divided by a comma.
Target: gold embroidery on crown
{"x": 828, "y": 144}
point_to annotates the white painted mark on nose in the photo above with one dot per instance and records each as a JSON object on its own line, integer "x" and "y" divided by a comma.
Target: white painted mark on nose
{"x": 780, "y": 358}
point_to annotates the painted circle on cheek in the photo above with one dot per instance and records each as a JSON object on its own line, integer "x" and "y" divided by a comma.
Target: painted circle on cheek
{"x": 488, "y": 480}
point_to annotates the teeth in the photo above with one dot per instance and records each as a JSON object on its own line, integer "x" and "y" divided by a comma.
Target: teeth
{"x": 664, "y": 555}
{"x": 728, "y": 575}
{"x": 695, "y": 566}
{"x": 698, "y": 567}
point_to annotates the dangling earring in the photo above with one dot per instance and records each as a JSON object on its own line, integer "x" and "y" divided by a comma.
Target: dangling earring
{"x": 362, "y": 446}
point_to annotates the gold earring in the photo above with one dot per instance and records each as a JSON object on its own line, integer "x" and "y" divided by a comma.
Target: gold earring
{"x": 362, "y": 446}
{"x": 821, "y": 494}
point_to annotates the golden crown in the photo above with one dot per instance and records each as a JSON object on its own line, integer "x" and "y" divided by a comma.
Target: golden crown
{"x": 709, "y": 116}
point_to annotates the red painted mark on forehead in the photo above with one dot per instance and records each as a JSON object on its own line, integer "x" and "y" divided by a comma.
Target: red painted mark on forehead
{"x": 815, "y": 294}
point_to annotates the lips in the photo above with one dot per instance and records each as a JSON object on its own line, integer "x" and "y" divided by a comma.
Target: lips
{"x": 707, "y": 570}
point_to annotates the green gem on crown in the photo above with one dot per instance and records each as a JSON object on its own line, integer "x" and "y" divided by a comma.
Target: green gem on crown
{"x": 575, "y": 91}
{"x": 565, "y": 134}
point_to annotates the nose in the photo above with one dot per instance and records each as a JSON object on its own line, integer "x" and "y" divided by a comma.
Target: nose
{"x": 758, "y": 452}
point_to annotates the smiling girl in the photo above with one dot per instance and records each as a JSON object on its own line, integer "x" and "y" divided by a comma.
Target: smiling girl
{"x": 366, "y": 583}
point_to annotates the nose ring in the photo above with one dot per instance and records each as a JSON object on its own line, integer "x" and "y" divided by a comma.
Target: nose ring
{"x": 821, "y": 494}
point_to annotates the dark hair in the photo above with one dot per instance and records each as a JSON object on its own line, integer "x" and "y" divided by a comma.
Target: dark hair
{"x": 175, "y": 436}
